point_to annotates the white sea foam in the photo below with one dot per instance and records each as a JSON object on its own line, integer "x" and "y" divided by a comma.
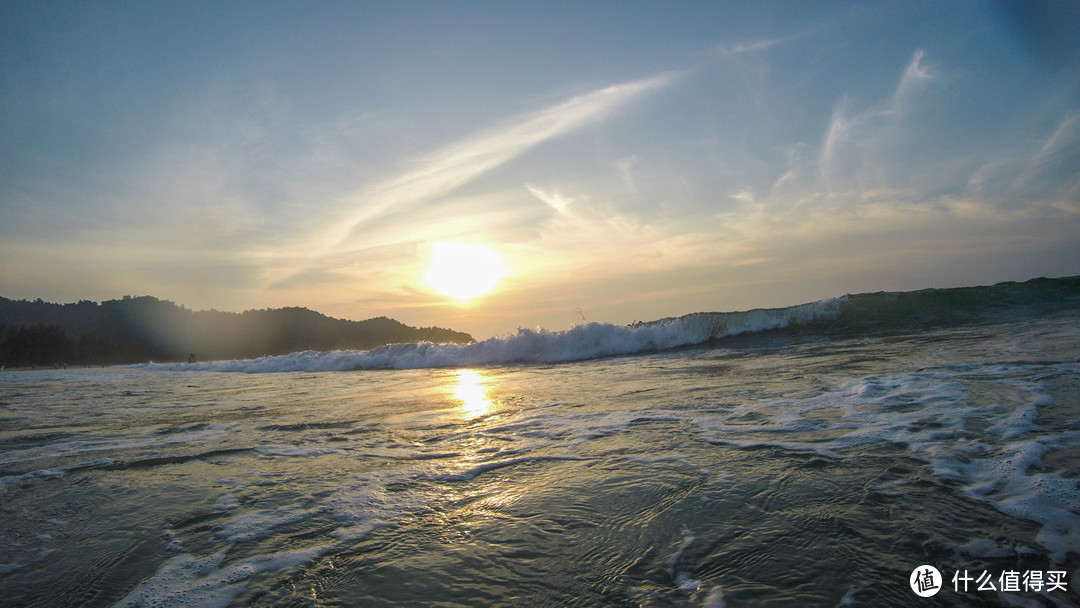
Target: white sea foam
{"x": 928, "y": 412}
{"x": 673, "y": 561}
{"x": 253, "y": 525}
{"x": 582, "y": 342}
{"x": 359, "y": 505}
{"x": 187, "y": 580}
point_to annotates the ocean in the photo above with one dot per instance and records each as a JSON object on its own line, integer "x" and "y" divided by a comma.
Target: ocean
{"x": 859, "y": 451}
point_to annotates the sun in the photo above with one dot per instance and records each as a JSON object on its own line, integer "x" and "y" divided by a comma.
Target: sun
{"x": 463, "y": 271}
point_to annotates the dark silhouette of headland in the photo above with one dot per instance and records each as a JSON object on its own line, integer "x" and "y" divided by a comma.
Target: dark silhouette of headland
{"x": 139, "y": 329}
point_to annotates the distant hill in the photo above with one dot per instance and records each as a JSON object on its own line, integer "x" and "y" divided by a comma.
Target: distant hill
{"x": 137, "y": 329}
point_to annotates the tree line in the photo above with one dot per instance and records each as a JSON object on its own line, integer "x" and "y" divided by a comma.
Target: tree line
{"x": 139, "y": 329}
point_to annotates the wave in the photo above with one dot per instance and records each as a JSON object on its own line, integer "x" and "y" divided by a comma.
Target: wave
{"x": 862, "y": 313}
{"x": 586, "y": 341}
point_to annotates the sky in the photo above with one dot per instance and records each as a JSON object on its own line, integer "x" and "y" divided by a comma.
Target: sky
{"x": 616, "y": 161}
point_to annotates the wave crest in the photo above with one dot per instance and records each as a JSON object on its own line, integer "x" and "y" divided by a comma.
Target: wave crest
{"x": 582, "y": 342}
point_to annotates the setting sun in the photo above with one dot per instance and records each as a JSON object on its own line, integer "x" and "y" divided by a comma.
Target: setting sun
{"x": 463, "y": 271}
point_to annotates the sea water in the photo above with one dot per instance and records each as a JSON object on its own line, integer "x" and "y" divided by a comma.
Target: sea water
{"x": 775, "y": 458}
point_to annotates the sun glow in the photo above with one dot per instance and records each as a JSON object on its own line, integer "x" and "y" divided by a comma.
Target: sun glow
{"x": 463, "y": 271}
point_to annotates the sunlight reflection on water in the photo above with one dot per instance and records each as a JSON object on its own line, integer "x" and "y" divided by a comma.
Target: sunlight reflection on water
{"x": 472, "y": 390}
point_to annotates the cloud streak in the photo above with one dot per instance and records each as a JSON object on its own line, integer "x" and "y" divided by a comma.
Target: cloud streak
{"x": 461, "y": 162}
{"x": 862, "y": 188}
{"x": 861, "y": 150}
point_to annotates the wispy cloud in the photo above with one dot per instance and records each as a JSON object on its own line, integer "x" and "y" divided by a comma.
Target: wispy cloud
{"x": 555, "y": 200}
{"x": 865, "y": 187}
{"x": 861, "y": 149}
{"x": 727, "y": 49}
{"x": 834, "y": 190}
{"x": 1042, "y": 170}
{"x": 836, "y": 138}
{"x": 461, "y": 162}
{"x": 742, "y": 48}
{"x": 1060, "y": 154}
{"x": 916, "y": 74}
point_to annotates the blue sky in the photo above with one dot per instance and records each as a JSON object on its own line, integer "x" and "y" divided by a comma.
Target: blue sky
{"x": 623, "y": 160}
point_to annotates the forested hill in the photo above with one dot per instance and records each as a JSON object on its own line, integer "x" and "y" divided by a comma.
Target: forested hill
{"x": 137, "y": 329}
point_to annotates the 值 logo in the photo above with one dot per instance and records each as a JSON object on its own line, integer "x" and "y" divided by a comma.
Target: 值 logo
{"x": 925, "y": 581}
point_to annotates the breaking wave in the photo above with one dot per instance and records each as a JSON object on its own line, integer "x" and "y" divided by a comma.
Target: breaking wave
{"x": 586, "y": 341}
{"x": 853, "y": 314}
